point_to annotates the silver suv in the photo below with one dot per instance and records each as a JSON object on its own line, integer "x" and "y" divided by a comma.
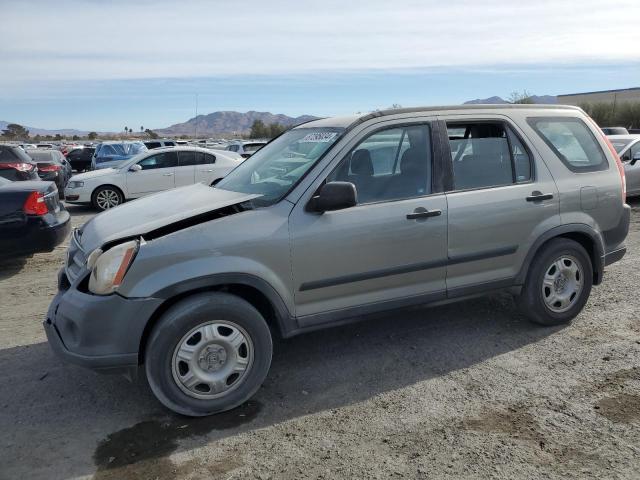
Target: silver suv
{"x": 334, "y": 220}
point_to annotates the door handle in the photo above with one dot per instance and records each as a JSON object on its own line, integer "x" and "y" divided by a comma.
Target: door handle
{"x": 423, "y": 213}
{"x": 167, "y": 174}
{"x": 537, "y": 196}
{"x": 206, "y": 170}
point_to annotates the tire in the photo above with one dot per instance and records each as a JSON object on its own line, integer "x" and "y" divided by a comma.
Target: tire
{"x": 565, "y": 292}
{"x": 106, "y": 197}
{"x": 200, "y": 322}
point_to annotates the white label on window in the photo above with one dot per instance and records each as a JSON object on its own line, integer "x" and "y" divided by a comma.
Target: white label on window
{"x": 319, "y": 137}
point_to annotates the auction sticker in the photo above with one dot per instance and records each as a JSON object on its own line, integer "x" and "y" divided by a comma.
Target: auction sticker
{"x": 318, "y": 137}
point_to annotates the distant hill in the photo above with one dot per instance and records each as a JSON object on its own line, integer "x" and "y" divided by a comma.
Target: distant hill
{"x": 43, "y": 131}
{"x": 541, "y": 99}
{"x": 229, "y": 123}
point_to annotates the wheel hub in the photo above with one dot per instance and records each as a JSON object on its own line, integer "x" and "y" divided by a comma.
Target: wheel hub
{"x": 212, "y": 358}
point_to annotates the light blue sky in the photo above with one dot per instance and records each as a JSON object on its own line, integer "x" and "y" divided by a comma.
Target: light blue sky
{"x": 102, "y": 65}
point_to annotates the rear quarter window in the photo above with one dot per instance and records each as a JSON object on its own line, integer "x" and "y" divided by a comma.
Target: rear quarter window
{"x": 572, "y": 142}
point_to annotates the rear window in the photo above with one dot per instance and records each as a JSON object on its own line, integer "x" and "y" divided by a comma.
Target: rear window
{"x": 572, "y": 141}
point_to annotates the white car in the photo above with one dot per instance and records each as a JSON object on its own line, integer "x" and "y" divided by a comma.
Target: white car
{"x": 149, "y": 172}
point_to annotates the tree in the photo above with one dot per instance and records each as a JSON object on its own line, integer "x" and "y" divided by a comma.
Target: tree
{"x": 15, "y": 132}
{"x": 126, "y": 129}
{"x": 130, "y": 131}
{"x": 276, "y": 129}
{"x": 258, "y": 129}
{"x": 151, "y": 133}
{"x": 520, "y": 97}
{"x": 58, "y": 137}
{"x": 92, "y": 135}
{"x": 141, "y": 129}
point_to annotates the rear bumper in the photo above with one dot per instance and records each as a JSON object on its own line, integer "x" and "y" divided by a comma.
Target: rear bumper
{"x": 38, "y": 235}
{"x": 97, "y": 332}
{"x": 614, "y": 238}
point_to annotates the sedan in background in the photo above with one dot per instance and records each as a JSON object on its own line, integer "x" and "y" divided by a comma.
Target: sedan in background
{"x": 80, "y": 158}
{"x": 16, "y": 165}
{"x": 246, "y": 149}
{"x": 32, "y": 219}
{"x": 628, "y": 148}
{"x": 52, "y": 167}
{"x": 614, "y": 131}
{"x": 149, "y": 172}
{"x": 111, "y": 154}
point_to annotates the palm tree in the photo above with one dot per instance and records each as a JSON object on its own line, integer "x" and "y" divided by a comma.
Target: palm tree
{"x": 141, "y": 129}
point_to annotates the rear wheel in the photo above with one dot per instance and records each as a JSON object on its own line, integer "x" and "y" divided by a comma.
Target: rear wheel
{"x": 558, "y": 284}
{"x": 106, "y": 197}
{"x": 208, "y": 353}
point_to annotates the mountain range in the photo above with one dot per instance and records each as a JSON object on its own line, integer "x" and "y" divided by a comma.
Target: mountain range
{"x": 229, "y": 123}
{"x": 543, "y": 99}
{"x": 236, "y": 123}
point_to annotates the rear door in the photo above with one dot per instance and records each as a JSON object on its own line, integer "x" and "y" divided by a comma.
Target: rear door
{"x": 185, "y": 171}
{"x": 157, "y": 174}
{"x": 632, "y": 168}
{"x": 207, "y": 170}
{"x": 503, "y": 197}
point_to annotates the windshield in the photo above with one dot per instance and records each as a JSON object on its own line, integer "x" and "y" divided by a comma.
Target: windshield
{"x": 278, "y": 166}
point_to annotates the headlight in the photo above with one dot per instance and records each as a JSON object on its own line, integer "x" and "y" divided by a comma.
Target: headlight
{"x": 75, "y": 184}
{"x": 110, "y": 267}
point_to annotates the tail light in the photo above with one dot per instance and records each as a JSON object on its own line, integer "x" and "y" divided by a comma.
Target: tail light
{"x": 623, "y": 177}
{"x": 20, "y": 166}
{"x": 35, "y": 204}
{"x": 49, "y": 168}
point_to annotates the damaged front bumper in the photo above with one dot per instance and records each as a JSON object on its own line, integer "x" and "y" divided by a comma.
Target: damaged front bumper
{"x": 98, "y": 332}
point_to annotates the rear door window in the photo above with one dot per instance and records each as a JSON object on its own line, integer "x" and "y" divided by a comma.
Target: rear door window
{"x": 572, "y": 142}
{"x": 487, "y": 154}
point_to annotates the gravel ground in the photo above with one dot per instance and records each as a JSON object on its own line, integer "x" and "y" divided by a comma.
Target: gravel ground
{"x": 469, "y": 390}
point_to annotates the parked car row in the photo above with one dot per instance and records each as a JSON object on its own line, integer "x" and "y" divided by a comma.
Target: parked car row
{"x": 628, "y": 148}
{"x": 149, "y": 171}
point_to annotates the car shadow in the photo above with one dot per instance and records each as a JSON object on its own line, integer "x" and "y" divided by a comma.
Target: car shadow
{"x": 79, "y": 421}
{"x": 11, "y": 266}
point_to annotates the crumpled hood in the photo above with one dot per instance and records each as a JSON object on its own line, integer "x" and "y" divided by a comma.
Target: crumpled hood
{"x": 155, "y": 211}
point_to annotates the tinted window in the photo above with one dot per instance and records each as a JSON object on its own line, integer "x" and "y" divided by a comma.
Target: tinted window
{"x": 169, "y": 144}
{"x": 161, "y": 160}
{"x": 151, "y": 145}
{"x": 209, "y": 158}
{"x": 572, "y": 141}
{"x": 189, "y": 158}
{"x": 391, "y": 164}
{"x": 75, "y": 154}
{"x": 487, "y": 154}
{"x": 252, "y": 147}
{"x": 233, "y": 148}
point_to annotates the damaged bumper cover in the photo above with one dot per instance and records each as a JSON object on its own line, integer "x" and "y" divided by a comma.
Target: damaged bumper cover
{"x": 97, "y": 332}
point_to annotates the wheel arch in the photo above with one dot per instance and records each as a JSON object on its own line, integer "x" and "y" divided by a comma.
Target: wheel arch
{"x": 584, "y": 234}
{"x": 248, "y": 287}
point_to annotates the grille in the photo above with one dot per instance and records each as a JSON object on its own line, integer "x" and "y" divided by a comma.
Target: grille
{"x": 76, "y": 258}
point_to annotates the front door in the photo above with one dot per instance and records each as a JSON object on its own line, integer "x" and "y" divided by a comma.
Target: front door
{"x": 503, "y": 198}
{"x": 390, "y": 249}
{"x": 157, "y": 174}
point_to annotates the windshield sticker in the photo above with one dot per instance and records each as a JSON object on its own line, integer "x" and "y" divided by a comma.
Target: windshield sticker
{"x": 319, "y": 137}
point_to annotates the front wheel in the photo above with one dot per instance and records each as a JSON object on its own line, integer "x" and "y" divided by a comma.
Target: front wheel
{"x": 558, "y": 283}
{"x": 207, "y": 354}
{"x": 106, "y": 197}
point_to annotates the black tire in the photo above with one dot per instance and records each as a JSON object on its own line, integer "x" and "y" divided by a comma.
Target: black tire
{"x": 531, "y": 300}
{"x": 180, "y": 319}
{"x": 95, "y": 201}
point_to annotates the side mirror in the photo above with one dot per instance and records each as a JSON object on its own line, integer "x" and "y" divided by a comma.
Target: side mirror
{"x": 135, "y": 168}
{"x": 334, "y": 196}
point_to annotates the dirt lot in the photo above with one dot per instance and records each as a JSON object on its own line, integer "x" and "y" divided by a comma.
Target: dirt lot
{"x": 470, "y": 390}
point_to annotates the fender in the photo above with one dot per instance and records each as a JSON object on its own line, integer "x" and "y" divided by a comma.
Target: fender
{"x": 596, "y": 238}
{"x": 285, "y": 320}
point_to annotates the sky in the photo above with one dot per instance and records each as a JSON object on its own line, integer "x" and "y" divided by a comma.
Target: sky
{"x": 101, "y": 65}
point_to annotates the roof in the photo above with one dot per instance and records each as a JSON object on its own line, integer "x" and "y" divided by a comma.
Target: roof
{"x": 630, "y": 136}
{"x": 602, "y": 91}
{"x": 353, "y": 120}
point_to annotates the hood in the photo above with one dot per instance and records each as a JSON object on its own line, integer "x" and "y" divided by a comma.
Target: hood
{"x": 94, "y": 173}
{"x": 156, "y": 211}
